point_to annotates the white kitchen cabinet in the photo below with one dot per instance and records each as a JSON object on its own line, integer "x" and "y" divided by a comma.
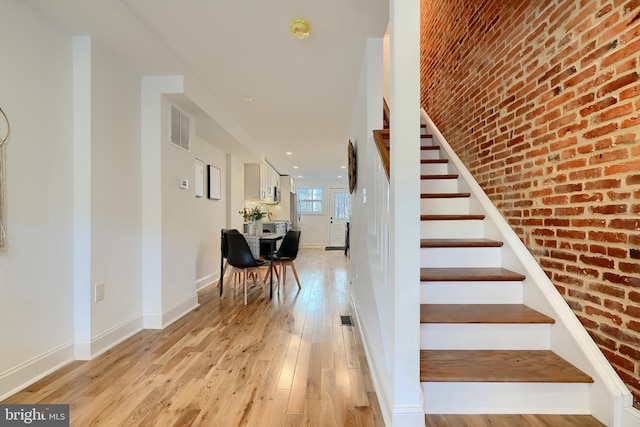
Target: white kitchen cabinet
{"x": 254, "y": 181}
{"x": 259, "y": 181}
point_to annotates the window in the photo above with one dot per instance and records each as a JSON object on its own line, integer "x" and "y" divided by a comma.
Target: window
{"x": 310, "y": 200}
{"x": 343, "y": 206}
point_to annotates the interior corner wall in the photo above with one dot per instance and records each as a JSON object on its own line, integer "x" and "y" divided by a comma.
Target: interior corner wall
{"x": 36, "y": 270}
{"x": 541, "y": 101}
{"x": 235, "y": 193}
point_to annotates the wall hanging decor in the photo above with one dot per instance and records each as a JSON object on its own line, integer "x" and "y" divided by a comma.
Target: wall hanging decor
{"x": 5, "y": 131}
{"x": 214, "y": 182}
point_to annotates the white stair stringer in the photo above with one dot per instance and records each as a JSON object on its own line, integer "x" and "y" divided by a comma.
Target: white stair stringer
{"x": 607, "y": 398}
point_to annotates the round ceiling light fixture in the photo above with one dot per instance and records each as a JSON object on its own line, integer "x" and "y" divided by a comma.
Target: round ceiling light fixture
{"x": 300, "y": 28}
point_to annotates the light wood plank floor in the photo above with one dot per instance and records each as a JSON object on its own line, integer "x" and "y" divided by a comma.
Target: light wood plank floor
{"x": 272, "y": 363}
{"x": 281, "y": 362}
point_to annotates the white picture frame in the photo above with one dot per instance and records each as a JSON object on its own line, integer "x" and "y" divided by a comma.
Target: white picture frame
{"x": 213, "y": 174}
{"x": 199, "y": 165}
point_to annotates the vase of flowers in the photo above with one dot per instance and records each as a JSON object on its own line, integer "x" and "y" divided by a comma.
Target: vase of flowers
{"x": 254, "y": 218}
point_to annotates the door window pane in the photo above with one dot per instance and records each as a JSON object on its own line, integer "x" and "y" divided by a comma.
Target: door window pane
{"x": 343, "y": 206}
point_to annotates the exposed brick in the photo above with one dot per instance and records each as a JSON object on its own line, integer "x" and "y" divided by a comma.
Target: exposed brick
{"x": 603, "y": 130}
{"x": 597, "y": 261}
{"x": 541, "y": 100}
{"x": 596, "y": 312}
{"x": 621, "y": 279}
{"x": 607, "y": 289}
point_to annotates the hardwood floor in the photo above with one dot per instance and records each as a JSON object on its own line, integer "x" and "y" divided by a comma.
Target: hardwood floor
{"x": 281, "y": 362}
{"x": 271, "y": 363}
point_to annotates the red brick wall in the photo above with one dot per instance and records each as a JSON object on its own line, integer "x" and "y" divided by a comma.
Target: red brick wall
{"x": 541, "y": 100}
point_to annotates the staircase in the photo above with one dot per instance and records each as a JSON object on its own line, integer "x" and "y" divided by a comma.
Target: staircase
{"x": 484, "y": 350}
{"x": 480, "y": 345}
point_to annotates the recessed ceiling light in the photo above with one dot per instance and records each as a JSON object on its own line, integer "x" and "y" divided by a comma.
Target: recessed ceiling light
{"x": 296, "y": 167}
{"x": 339, "y": 176}
{"x": 343, "y": 167}
{"x": 299, "y": 176}
{"x": 246, "y": 98}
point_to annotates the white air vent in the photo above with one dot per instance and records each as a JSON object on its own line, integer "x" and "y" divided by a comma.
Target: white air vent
{"x": 179, "y": 128}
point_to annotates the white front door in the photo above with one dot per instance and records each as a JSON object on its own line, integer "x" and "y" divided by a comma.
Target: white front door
{"x": 339, "y": 214}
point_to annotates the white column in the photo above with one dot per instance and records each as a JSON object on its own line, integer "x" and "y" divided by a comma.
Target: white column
{"x": 405, "y": 210}
{"x": 151, "y": 167}
{"x": 82, "y": 196}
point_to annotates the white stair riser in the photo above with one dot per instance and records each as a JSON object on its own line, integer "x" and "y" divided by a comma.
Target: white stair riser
{"x": 451, "y": 229}
{"x": 434, "y": 168}
{"x": 460, "y": 257}
{"x": 490, "y": 292}
{"x": 448, "y": 185}
{"x": 506, "y": 398}
{"x": 429, "y": 154}
{"x": 440, "y": 336}
{"x": 444, "y": 206}
{"x": 424, "y": 142}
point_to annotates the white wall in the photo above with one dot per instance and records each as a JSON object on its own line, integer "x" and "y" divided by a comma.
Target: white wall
{"x": 315, "y": 227}
{"x": 85, "y": 165}
{"x": 36, "y": 271}
{"x": 116, "y": 222}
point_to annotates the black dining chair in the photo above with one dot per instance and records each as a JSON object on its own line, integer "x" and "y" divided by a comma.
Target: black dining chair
{"x": 286, "y": 255}
{"x": 224, "y": 251}
{"x": 239, "y": 257}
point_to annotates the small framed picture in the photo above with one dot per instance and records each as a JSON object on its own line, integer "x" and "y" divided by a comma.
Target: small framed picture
{"x": 214, "y": 182}
{"x": 199, "y": 178}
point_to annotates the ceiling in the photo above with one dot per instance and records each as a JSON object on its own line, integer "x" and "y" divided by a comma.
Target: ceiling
{"x": 273, "y": 92}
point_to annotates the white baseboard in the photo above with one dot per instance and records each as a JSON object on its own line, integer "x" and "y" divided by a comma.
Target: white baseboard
{"x": 16, "y": 379}
{"x": 378, "y": 384}
{"x": 206, "y": 281}
{"x": 313, "y": 246}
{"x": 171, "y": 314}
{"x": 88, "y": 350}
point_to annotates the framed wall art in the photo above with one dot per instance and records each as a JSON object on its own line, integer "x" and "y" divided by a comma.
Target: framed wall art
{"x": 213, "y": 174}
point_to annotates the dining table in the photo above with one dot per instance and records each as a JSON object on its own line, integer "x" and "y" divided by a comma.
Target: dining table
{"x": 255, "y": 242}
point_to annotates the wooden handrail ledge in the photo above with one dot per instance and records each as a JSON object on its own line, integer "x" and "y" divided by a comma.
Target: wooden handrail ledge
{"x": 383, "y": 149}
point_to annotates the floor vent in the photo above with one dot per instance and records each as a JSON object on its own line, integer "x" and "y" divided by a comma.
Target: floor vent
{"x": 346, "y": 321}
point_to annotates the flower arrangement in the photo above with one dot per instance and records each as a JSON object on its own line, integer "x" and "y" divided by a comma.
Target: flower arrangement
{"x": 254, "y": 214}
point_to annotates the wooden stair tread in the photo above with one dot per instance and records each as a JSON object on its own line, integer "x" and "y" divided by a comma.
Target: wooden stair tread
{"x": 443, "y": 176}
{"x": 481, "y": 313}
{"x": 451, "y": 217}
{"x": 459, "y": 243}
{"x": 430, "y": 147}
{"x": 469, "y": 274}
{"x": 386, "y": 132}
{"x": 444, "y": 195}
{"x": 532, "y": 366}
{"x": 432, "y": 161}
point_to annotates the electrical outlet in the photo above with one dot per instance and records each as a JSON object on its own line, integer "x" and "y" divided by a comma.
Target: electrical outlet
{"x": 99, "y": 292}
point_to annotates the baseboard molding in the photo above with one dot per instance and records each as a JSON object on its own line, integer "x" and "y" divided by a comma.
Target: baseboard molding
{"x": 171, "y": 314}
{"x": 107, "y": 340}
{"x": 378, "y": 384}
{"x": 313, "y": 246}
{"x": 16, "y": 379}
{"x": 206, "y": 281}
